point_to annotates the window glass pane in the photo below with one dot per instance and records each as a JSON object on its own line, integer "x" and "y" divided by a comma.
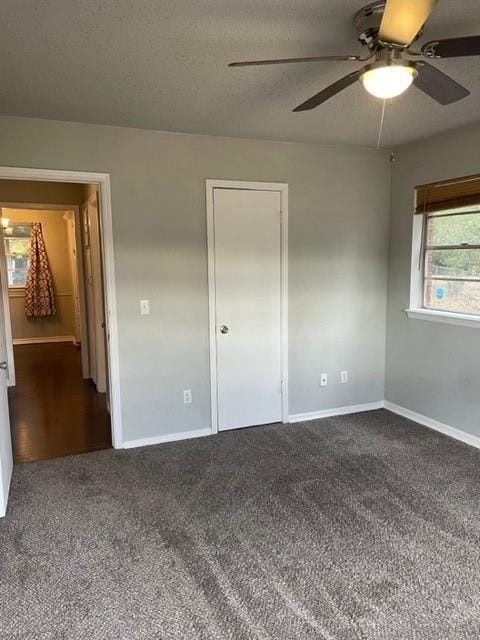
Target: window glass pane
{"x": 453, "y": 230}
{"x": 453, "y": 263}
{"x": 447, "y": 295}
{"x": 17, "y": 267}
{"x": 17, "y": 246}
{"x": 17, "y": 278}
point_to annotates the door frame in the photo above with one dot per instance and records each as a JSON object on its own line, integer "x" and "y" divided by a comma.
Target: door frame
{"x": 106, "y": 230}
{"x": 282, "y": 189}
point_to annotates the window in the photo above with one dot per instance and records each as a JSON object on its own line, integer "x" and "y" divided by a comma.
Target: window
{"x": 445, "y": 276}
{"x": 452, "y": 260}
{"x": 17, "y": 250}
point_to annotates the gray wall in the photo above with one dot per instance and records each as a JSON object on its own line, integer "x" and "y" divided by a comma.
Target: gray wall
{"x": 433, "y": 369}
{"x": 339, "y": 202}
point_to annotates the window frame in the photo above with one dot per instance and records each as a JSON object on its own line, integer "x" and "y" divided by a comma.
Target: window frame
{"x": 8, "y": 255}
{"x": 417, "y": 308}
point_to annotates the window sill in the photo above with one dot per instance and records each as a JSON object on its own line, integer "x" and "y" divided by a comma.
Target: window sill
{"x": 460, "y": 319}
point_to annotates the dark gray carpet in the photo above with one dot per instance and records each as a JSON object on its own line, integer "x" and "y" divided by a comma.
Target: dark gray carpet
{"x": 364, "y": 526}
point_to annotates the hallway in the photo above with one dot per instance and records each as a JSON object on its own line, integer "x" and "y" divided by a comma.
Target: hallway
{"x": 53, "y": 411}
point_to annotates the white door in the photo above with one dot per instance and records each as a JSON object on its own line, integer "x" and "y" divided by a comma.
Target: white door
{"x": 97, "y": 281}
{"x": 87, "y": 261}
{"x": 7, "y": 324}
{"x": 95, "y": 305}
{"x": 72, "y": 253}
{"x": 247, "y": 257}
{"x": 6, "y": 458}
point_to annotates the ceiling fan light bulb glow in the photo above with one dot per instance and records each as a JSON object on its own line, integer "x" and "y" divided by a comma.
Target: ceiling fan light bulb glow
{"x": 388, "y": 81}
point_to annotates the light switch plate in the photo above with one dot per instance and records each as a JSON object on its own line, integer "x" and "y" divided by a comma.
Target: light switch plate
{"x": 144, "y": 307}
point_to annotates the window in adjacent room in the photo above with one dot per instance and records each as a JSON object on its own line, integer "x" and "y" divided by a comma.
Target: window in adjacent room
{"x": 446, "y": 256}
{"x": 17, "y": 250}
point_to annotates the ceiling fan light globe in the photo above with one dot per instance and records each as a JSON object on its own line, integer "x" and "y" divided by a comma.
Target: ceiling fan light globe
{"x": 388, "y": 81}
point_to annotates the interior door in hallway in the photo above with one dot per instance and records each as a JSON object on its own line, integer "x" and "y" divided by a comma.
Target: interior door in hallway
{"x": 247, "y": 248}
{"x": 94, "y": 295}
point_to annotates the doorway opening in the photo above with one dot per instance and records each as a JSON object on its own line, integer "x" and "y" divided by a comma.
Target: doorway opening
{"x": 52, "y": 269}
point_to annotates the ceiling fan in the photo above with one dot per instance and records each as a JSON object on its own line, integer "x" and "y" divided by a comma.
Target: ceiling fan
{"x": 387, "y": 28}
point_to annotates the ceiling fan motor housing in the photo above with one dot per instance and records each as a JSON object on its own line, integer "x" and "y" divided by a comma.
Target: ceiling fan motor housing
{"x": 367, "y": 23}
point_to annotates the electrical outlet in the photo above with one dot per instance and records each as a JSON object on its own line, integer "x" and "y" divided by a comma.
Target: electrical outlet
{"x": 323, "y": 379}
{"x": 187, "y": 396}
{"x": 344, "y": 377}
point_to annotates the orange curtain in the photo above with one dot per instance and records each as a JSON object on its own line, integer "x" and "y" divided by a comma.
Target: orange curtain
{"x": 39, "y": 298}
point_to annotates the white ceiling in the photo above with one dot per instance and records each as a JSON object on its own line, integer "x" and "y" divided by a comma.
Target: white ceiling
{"x": 162, "y": 64}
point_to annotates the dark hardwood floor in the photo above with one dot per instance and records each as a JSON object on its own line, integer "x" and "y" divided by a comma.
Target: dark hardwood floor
{"x": 53, "y": 411}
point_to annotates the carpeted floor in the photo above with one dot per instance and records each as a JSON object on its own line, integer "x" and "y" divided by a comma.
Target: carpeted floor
{"x": 356, "y": 527}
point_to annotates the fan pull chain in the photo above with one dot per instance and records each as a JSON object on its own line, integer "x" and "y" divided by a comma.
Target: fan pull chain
{"x": 381, "y": 125}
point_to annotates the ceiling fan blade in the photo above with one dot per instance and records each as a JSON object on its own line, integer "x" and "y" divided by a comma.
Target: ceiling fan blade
{"x": 329, "y": 92}
{"x": 257, "y": 63}
{"x": 438, "y": 85}
{"x": 403, "y": 19}
{"x": 452, "y": 47}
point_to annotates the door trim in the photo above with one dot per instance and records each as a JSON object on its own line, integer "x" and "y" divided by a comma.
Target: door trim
{"x": 282, "y": 189}
{"x": 106, "y": 228}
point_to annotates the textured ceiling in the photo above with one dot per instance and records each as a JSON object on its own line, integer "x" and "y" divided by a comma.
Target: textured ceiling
{"x": 162, "y": 65}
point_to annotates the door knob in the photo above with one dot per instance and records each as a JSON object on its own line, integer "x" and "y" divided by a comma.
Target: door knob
{"x": 3, "y": 365}
{"x": 224, "y": 328}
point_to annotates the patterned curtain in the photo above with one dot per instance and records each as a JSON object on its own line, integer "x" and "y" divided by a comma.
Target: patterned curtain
{"x": 39, "y": 300}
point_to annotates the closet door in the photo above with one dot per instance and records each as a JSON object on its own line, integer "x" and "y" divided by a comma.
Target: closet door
{"x": 247, "y": 239}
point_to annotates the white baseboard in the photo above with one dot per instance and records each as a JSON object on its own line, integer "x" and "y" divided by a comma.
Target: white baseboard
{"x": 467, "y": 438}
{"x": 446, "y": 429}
{"x": 43, "y": 340}
{"x": 300, "y": 417}
{"x": 170, "y": 437}
{"x": 338, "y": 411}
